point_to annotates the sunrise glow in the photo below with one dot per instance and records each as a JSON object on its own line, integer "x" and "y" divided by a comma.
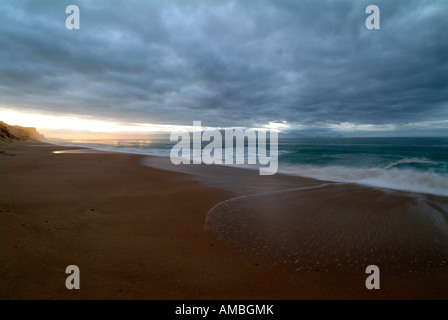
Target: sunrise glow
{"x": 80, "y": 124}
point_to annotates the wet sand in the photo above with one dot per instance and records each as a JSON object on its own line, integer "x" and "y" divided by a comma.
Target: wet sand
{"x": 338, "y": 228}
{"x": 137, "y": 232}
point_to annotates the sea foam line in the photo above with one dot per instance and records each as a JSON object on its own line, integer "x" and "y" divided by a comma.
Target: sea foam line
{"x": 396, "y": 179}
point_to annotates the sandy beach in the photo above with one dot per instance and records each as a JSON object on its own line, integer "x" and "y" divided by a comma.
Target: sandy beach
{"x": 138, "y": 232}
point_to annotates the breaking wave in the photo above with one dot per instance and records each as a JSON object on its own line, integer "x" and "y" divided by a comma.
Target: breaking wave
{"x": 392, "y": 178}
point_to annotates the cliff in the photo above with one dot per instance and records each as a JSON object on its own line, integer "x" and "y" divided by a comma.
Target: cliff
{"x": 8, "y": 132}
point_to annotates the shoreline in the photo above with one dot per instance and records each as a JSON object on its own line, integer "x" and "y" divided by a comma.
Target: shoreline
{"x": 137, "y": 232}
{"x": 427, "y": 183}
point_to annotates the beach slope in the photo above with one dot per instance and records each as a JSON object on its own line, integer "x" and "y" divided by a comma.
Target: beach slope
{"x": 137, "y": 232}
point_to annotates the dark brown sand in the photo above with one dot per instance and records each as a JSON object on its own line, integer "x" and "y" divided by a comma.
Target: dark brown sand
{"x": 137, "y": 232}
{"x": 338, "y": 228}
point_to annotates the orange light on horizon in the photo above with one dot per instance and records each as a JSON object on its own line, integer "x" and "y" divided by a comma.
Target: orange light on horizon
{"x": 79, "y": 124}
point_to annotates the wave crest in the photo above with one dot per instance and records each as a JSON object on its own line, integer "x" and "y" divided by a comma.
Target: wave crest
{"x": 397, "y": 179}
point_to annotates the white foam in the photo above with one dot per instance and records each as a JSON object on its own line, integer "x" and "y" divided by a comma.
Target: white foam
{"x": 389, "y": 177}
{"x": 409, "y": 160}
{"x": 397, "y": 179}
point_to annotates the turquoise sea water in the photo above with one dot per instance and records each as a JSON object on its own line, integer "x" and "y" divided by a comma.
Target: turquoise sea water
{"x": 412, "y": 164}
{"x": 336, "y": 227}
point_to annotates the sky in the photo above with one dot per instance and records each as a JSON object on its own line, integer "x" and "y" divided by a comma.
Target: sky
{"x": 310, "y": 67}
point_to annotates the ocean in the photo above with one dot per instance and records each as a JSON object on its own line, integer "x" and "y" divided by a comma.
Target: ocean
{"x": 408, "y": 164}
{"x": 399, "y": 222}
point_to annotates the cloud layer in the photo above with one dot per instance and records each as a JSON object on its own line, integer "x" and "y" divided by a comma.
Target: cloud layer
{"x": 310, "y": 64}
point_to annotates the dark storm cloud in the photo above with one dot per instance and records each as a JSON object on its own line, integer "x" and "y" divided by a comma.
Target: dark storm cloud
{"x": 227, "y": 63}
